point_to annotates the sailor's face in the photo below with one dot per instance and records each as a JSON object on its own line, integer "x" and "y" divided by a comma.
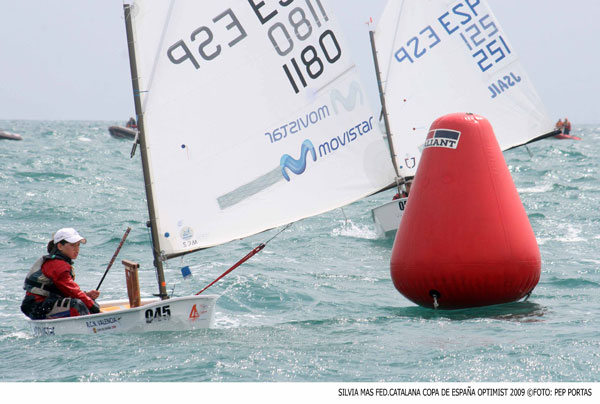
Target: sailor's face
{"x": 71, "y": 250}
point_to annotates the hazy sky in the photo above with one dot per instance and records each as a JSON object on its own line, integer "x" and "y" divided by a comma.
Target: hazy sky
{"x": 67, "y": 59}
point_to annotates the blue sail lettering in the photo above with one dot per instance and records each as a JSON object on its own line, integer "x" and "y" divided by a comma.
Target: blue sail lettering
{"x": 416, "y": 52}
{"x": 455, "y": 10}
{"x": 468, "y": 16}
{"x": 284, "y": 127}
{"x": 342, "y": 140}
{"x": 295, "y": 126}
{"x": 335, "y": 143}
{"x": 348, "y": 137}
{"x": 402, "y": 54}
{"x": 302, "y": 122}
{"x": 349, "y": 134}
{"x": 505, "y": 83}
{"x": 472, "y": 4}
{"x": 426, "y": 39}
{"x": 461, "y": 14}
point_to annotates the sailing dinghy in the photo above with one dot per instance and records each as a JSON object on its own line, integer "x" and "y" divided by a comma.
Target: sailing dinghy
{"x": 118, "y": 316}
{"x": 437, "y": 57}
{"x": 250, "y": 117}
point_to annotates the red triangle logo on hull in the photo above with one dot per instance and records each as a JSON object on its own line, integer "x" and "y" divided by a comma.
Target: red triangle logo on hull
{"x": 194, "y": 313}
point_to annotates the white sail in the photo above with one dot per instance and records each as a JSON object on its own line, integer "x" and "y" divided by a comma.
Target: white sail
{"x": 443, "y": 56}
{"x": 254, "y": 117}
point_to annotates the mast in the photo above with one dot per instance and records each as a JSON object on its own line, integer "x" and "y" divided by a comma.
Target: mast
{"x": 156, "y": 251}
{"x": 383, "y": 108}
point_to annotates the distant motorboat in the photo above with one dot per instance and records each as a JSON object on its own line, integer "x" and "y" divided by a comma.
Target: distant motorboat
{"x": 10, "y": 135}
{"x": 122, "y": 132}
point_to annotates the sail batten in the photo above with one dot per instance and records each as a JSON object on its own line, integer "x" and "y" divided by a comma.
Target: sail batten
{"x": 255, "y": 117}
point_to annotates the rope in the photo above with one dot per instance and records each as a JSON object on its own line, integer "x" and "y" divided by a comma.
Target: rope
{"x": 114, "y": 256}
{"x": 278, "y": 233}
{"x": 246, "y": 258}
{"x": 346, "y": 221}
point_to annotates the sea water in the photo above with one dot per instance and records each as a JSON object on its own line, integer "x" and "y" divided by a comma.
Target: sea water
{"x": 317, "y": 304}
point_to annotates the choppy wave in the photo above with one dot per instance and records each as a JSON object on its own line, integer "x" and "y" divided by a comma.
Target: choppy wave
{"x": 317, "y": 304}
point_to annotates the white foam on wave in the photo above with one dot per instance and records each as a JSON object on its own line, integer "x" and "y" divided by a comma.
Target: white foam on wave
{"x": 535, "y": 189}
{"x": 572, "y": 234}
{"x": 17, "y": 335}
{"x": 226, "y": 322}
{"x": 591, "y": 261}
{"x": 541, "y": 241}
{"x": 84, "y": 139}
{"x": 246, "y": 320}
{"x": 349, "y": 229}
{"x": 565, "y": 233}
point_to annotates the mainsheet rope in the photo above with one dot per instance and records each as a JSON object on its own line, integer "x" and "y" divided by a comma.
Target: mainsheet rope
{"x": 246, "y": 258}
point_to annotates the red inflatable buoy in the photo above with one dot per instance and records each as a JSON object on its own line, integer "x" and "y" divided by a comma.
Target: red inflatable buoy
{"x": 464, "y": 239}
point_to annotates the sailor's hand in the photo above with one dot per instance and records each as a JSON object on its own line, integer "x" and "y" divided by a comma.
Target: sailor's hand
{"x": 93, "y": 294}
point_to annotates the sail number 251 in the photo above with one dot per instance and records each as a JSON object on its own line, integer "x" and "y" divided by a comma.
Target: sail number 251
{"x": 299, "y": 27}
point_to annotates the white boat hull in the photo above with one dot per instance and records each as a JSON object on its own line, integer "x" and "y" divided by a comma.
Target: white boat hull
{"x": 387, "y": 217}
{"x": 176, "y": 314}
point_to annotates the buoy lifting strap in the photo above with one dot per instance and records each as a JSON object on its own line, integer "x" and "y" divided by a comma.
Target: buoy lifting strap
{"x": 246, "y": 258}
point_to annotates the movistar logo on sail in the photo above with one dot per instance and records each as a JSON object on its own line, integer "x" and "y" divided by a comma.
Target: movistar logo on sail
{"x": 297, "y": 166}
{"x": 446, "y": 138}
{"x": 349, "y": 102}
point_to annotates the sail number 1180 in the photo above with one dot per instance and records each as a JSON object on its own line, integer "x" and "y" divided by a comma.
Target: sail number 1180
{"x": 312, "y": 64}
{"x": 298, "y": 28}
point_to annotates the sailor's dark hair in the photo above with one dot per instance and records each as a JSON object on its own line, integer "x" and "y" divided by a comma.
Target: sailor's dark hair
{"x": 52, "y": 247}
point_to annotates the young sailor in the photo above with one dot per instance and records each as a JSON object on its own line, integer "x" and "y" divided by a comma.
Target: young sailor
{"x": 404, "y": 193}
{"x": 51, "y": 291}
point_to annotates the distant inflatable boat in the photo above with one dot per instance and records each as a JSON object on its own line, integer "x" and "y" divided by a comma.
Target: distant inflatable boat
{"x": 10, "y": 135}
{"x": 565, "y": 136}
{"x": 122, "y": 133}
